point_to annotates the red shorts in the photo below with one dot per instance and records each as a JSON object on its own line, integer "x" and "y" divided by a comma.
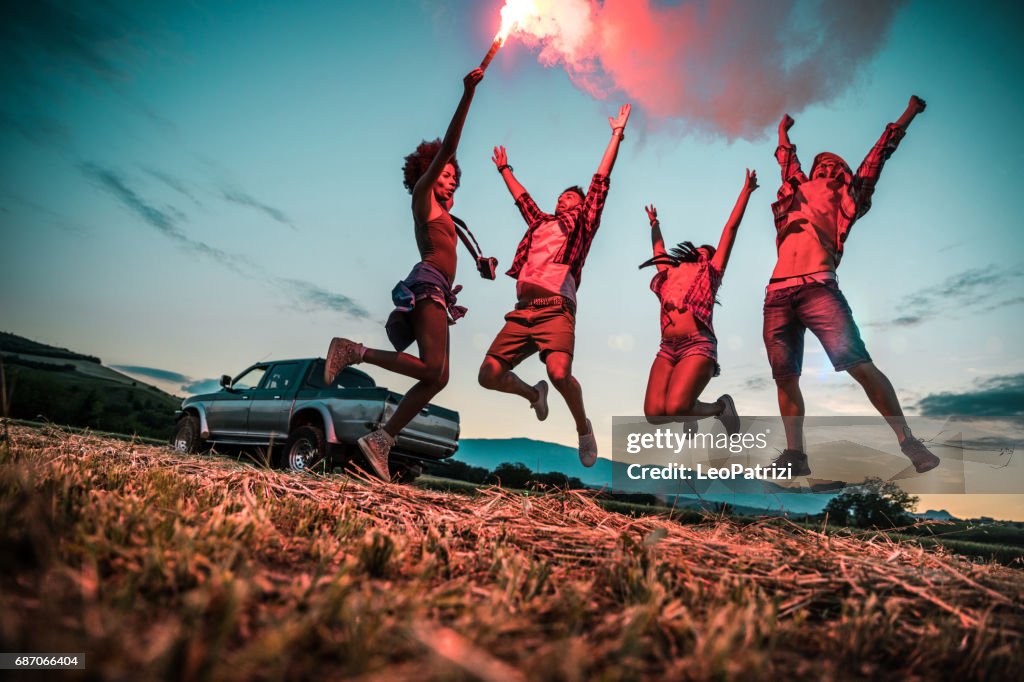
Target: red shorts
{"x": 544, "y": 328}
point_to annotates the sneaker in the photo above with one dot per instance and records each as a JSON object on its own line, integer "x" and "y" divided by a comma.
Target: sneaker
{"x": 730, "y": 418}
{"x": 794, "y": 460}
{"x": 340, "y": 355}
{"x": 376, "y": 446}
{"x": 588, "y": 447}
{"x": 921, "y": 456}
{"x": 540, "y": 405}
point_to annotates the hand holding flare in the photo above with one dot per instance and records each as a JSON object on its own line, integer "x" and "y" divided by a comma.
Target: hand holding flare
{"x": 513, "y": 13}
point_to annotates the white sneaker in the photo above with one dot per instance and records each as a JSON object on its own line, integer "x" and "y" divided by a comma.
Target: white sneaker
{"x": 540, "y": 405}
{"x": 588, "y": 447}
{"x": 376, "y": 446}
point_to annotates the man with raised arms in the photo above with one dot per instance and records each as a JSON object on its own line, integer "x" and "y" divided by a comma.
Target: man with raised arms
{"x": 813, "y": 217}
{"x": 547, "y": 268}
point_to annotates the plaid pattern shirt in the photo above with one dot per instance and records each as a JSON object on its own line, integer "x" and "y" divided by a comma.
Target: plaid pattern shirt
{"x": 579, "y": 225}
{"x": 699, "y": 298}
{"x": 855, "y": 201}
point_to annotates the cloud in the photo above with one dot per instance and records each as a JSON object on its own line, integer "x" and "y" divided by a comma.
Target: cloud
{"x": 316, "y": 298}
{"x": 174, "y": 183}
{"x": 202, "y": 386}
{"x": 1001, "y": 396}
{"x": 725, "y": 67}
{"x": 243, "y": 199}
{"x": 757, "y": 384}
{"x": 959, "y": 292}
{"x": 153, "y": 373}
{"x": 165, "y": 221}
{"x": 72, "y": 35}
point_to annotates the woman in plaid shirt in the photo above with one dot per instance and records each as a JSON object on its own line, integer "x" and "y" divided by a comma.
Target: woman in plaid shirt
{"x": 686, "y": 283}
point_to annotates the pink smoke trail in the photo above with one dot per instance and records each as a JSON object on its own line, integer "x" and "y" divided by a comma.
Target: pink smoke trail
{"x": 725, "y": 67}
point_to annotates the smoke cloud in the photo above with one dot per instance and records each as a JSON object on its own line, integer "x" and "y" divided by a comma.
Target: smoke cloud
{"x": 724, "y": 67}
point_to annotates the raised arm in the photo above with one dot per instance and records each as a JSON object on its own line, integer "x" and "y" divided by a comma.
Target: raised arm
{"x": 866, "y": 178}
{"x": 721, "y": 258}
{"x": 500, "y": 159}
{"x": 914, "y": 107}
{"x": 657, "y": 241}
{"x": 422, "y": 193}
{"x": 789, "y": 164}
{"x": 618, "y": 125}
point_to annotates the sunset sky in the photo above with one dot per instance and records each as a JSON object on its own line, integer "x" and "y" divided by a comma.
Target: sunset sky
{"x": 188, "y": 188}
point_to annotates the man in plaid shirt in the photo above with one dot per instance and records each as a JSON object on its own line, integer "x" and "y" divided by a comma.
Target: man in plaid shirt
{"x": 813, "y": 217}
{"x": 548, "y": 267}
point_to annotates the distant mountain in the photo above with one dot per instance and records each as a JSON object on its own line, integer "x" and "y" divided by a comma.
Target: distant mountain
{"x": 542, "y": 457}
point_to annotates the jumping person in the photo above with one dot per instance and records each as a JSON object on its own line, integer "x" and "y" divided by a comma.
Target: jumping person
{"x": 425, "y": 301}
{"x": 813, "y": 217}
{"x": 686, "y": 284}
{"x": 548, "y": 267}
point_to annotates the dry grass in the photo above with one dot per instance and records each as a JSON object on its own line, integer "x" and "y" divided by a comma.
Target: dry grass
{"x": 168, "y": 566}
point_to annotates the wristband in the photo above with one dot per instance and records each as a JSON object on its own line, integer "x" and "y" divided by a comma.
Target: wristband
{"x": 503, "y": 166}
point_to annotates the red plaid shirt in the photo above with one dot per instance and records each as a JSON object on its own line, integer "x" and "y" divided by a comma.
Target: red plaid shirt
{"x": 579, "y": 225}
{"x": 699, "y": 298}
{"x": 854, "y": 202}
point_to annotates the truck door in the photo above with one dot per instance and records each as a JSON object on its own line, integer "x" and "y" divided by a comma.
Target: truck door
{"x": 228, "y": 415}
{"x": 271, "y": 403}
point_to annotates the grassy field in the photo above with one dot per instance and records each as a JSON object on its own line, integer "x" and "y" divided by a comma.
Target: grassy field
{"x": 160, "y": 565}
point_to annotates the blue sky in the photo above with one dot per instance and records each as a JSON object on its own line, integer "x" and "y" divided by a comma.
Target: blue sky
{"x": 195, "y": 187}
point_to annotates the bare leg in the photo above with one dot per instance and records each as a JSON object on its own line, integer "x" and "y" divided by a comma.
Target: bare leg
{"x": 431, "y": 324}
{"x": 689, "y": 378}
{"x": 883, "y": 396}
{"x": 496, "y": 375}
{"x": 791, "y": 406}
{"x": 657, "y": 391}
{"x": 559, "y": 366}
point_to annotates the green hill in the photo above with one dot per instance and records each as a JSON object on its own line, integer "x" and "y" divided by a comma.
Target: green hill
{"x": 55, "y": 384}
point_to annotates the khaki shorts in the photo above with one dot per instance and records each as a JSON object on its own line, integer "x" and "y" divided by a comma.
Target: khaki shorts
{"x": 536, "y": 328}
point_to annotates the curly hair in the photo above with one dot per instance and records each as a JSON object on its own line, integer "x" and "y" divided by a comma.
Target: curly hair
{"x": 416, "y": 164}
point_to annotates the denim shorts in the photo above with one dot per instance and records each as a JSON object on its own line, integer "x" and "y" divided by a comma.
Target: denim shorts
{"x": 675, "y": 348}
{"x": 820, "y": 307}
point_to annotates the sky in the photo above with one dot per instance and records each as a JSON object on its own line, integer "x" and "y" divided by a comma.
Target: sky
{"x": 189, "y": 188}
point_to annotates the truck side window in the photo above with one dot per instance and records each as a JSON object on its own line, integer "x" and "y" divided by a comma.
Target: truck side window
{"x": 250, "y": 379}
{"x": 282, "y": 376}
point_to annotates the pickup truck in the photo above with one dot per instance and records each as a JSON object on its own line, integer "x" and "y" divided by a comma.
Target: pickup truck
{"x": 286, "y": 402}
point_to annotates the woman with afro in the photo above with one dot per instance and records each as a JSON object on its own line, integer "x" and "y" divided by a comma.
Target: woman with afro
{"x": 425, "y": 300}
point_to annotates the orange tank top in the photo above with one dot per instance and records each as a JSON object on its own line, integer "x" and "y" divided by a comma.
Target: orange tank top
{"x": 436, "y": 241}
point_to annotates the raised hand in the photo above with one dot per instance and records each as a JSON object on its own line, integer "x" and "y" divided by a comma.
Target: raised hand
{"x": 786, "y": 123}
{"x": 652, "y": 214}
{"x": 619, "y": 122}
{"x": 750, "y": 184}
{"x": 472, "y": 78}
{"x": 917, "y": 104}
{"x": 500, "y": 157}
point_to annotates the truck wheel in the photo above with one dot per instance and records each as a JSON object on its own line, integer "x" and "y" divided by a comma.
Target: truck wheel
{"x": 186, "y": 436}
{"x": 306, "y": 448}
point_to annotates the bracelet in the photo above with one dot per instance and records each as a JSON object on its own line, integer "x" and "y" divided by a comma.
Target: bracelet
{"x": 503, "y": 166}
{"x": 619, "y": 135}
